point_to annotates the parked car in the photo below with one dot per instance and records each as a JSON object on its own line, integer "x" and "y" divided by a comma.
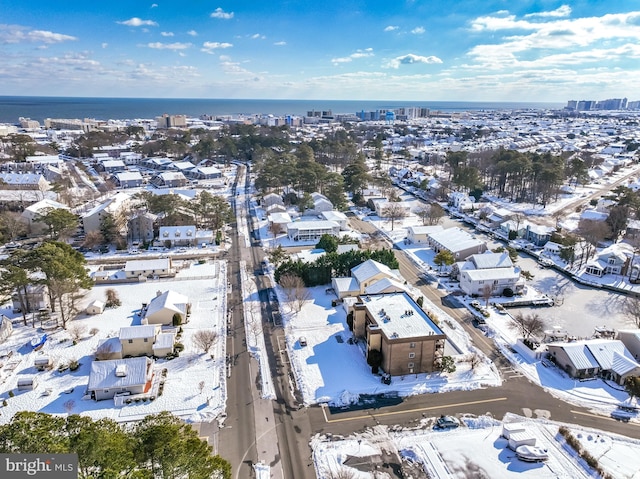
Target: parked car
{"x": 447, "y": 422}
{"x": 531, "y": 453}
{"x": 302, "y": 341}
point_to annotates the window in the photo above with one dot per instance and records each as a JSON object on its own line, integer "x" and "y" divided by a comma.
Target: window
{"x": 131, "y": 341}
{"x": 412, "y": 345}
{"x": 146, "y": 340}
{"x": 412, "y": 355}
{"x": 410, "y": 365}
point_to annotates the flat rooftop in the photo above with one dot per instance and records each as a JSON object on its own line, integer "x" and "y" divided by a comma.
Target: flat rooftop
{"x": 399, "y": 317}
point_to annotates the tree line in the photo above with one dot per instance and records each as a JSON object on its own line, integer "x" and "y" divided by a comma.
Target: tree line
{"x": 160, "y": 446}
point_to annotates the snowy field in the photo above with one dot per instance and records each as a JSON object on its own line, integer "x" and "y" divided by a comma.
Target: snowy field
{"x": 475, "y": 449}
{"x": 194, "y": 389}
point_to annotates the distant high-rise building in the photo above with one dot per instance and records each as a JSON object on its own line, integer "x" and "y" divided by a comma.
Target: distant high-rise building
{"x": 171, "y": 121}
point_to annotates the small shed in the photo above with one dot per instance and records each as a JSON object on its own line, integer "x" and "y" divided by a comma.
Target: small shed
{"x": 42, "y": 362}
{"x": 95, "y": 307}
{"x": 27, "y": 383}
{"x": 517, "y": 439}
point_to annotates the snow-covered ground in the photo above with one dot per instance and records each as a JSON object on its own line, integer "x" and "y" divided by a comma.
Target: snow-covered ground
{"x": 195, "y": 385}
{"x": 475, "y": 449}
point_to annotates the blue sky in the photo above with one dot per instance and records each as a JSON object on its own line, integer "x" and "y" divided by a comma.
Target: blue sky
{"x": 494, "y": 50}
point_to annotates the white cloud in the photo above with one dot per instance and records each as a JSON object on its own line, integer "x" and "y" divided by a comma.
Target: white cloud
{"x": 257, "y": 36}
{"x": 279, "y": 44}
{"x": 409, "y": 59}
{"x": 18, "y": 34}
{"x": 104, "y": 45}
{"x": 209, "y": 47}
{"x": 391, "y": 28}
{"x": 418, "y": 31}
{"x": 367, "y": 52}
{"x": 220, "y": 13}
{"x": 154, "y": 5}
{"x": 192, "y": 33}
{"x": 138, "y": 22}
{"x": 563, "y": 11}
{"x": 169, "y": 46}
{"x": 166, "y": 34}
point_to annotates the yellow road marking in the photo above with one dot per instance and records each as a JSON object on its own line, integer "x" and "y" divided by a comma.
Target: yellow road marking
{"x": 407, "y": 411}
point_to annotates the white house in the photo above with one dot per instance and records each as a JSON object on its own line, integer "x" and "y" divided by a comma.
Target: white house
{"x": 494, "y": 272}
{"x": 30, "y": 214}
{"x": 338, "y": 217}
{"x": 164, "y": 306}
{"x": 370, "y": 277}
{"x": 160, "y": 267}
{"x": 92, "y": 220}
{"x": 611, "y": 260}
{"x": 311, "y": 230}
{"x": 117, "y": 376}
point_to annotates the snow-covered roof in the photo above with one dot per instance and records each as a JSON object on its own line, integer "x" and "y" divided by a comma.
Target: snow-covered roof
{"x": 385, "y": 285}
{"x": 622, "y": 364}
{"x": 138, "y": 332}
{"x": 455, "y": 239}
{"x": 170, "y": 300}
{"x": 491, "y": 260}
{"x": 424, "y": 230}
{"x": 147, "y": 264}
{"x": 281, "y": 218}
{"x": 172, "y": 232}
{"x": 44, "y": 204}
{"x": 312, "y": 225}
{"x": 333, "y": 215}
{"x": 578, "y": 353}
{"x": 398, "y": 316}
{"x": 128, "y": 175}
{"x": 346, "y": 284}
{"x": 492, "y": 274}
{"x": 103, "y": 373}
{"x": 368, "y": 269}
{"x": 163, "y": 341}
{"x": 603, "y": 350}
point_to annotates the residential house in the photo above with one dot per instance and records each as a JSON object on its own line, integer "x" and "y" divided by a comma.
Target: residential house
{"x": 204, "y": 173}
{"x": 457, "y": 241}
{"x": 393, "y": 324}
{"x": 158, "y": 163}
{"x": 115, "y": 206}
{"x": 169, "y": 179}
{"x": 611, "y": 260}
{"x": 461, "y": 201}
{"x": 184, "y": 235}
{"x": 161, "y": 268}
{"x": 23, "y": 181}
{"x": 120, "y": 376}
{"x": 311, "y": 230}
{"x": 321, "y": 203}
{"x": 32, "y": 212}
{"x": 272, "y": 209}
{"x": 338, "y": 217}
{"x": 141, "y": 227}
{"x": 381, "y": 207}
{"x": 128, "y": 179}
{"x": 365, "y": 276}
{"x": 278, "y": 221}
{"x": 113, "y": 166}
{"x": 497, "y": 216}
{"x": 138, "y": 340}
{"x": 537, "y": 234}
{"x": 35, "y": 298}
{"x": 420, "y": 234}
{"x": 271, "y": 199}
{"x": 589, "y": 358}
{"x": 163, "y": 308}
{"x": 146, "y": 340}
{"x": 493, "y": 272}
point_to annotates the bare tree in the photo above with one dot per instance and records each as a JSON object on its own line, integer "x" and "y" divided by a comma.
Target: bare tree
{"x": 201, "y": 386}
{"x": 204, "y": 339}
{"x": 631, "y": 309}
{"x": 69, "y": 405}
{"x": 343, "y": 473}
{"x": 593, "y": 233}
{"x": 475, "y": 360}
{"x": 436, "y": 212}
{"x": 112, "y": 298}
{"x": 295, "y": 292}
{"x": 487, "y": 292}
{"x": 528, "y": 325}
{"x": 77, "y": 330}
{"x": 11, "y": 224}
{"x": 393, "y": 212}
{"x": 423, "y": 212}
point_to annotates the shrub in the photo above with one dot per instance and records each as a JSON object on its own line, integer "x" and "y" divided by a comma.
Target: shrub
{"x": 4, "y": 403}
{"x": 11, "y": 393}
{"x": 94, "y": 331}
{"x": 74, "y": 364}
{"x": 177, "y": 319}
{"x": 178, "y": 347}
{"x": 420, "y": 301}
{"x": 508, "y": 292}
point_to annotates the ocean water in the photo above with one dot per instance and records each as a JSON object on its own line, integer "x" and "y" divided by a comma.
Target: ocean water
{"x": 39, "y": 108}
